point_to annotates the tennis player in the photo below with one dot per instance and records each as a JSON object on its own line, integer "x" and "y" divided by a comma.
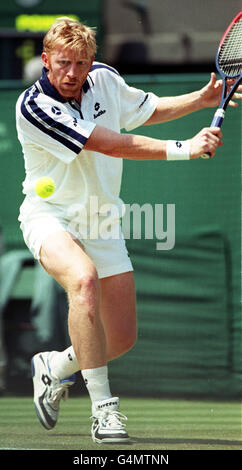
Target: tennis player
{"x": 69, "y": 125}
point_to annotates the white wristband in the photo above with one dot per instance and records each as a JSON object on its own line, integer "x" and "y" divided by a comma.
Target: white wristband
{"x": 178, "y": 150}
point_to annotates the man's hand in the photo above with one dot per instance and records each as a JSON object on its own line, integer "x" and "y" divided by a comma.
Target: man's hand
{"x": 207, "y": 140}
{"x": 211, "y": 93}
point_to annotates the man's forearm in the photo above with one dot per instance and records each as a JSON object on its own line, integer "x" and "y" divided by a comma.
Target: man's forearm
{"x": 138, "y": 147}
{"x": 135, "y": 147}
{"x": 170, "y": 108}
{"x": 174, "y": 107}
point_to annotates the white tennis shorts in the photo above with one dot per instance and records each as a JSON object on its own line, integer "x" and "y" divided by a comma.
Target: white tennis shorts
{"x": 109, "y": 255}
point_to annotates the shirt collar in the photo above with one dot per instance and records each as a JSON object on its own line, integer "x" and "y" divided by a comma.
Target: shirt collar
{"x": 51, "y": 91}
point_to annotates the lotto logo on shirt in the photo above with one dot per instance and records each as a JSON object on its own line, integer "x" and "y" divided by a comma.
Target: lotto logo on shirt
{"x": 55, "y": 110}
{"x": 100, "y": 111}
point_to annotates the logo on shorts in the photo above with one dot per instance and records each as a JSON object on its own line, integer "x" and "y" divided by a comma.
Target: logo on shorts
{"x": 179, "y": 144}
{"x": 55, "y": 110}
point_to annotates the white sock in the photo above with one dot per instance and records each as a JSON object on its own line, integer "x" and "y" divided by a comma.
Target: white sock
{"x": 63, "y": 364}
{"x": 97, "y": 383}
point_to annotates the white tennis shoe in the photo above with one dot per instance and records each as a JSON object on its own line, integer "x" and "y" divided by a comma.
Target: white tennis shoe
{"x": 108, "y": 426}
{"x": 48, "y": 390}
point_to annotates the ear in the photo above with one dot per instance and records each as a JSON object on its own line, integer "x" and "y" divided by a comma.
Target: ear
{"x": 45, "y": 60}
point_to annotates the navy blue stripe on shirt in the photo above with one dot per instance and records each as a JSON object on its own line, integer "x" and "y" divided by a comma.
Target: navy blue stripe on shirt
{"x": 42, "y": 121}
{"x": 85, "y": 86}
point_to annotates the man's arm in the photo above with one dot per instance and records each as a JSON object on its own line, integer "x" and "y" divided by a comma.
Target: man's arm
{"x": 170, "y": 108}
{"x": 137, "y": 147}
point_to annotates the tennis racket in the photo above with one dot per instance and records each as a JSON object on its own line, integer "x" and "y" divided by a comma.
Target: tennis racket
{"x": 229, "y": 66}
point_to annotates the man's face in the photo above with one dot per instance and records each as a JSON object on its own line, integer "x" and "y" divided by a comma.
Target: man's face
{"x": 67, "y": 71}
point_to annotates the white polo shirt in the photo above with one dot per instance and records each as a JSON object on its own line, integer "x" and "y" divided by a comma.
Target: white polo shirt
{"x": 53, "y": 132}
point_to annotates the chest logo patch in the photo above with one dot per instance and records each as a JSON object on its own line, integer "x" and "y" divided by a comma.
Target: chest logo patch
{"x": 55, "y": 110}
{"x": 99, "y": 111}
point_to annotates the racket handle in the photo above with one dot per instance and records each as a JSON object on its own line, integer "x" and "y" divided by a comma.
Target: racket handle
{"x": 218, "y": 118}
{"x": 216, "y": 122}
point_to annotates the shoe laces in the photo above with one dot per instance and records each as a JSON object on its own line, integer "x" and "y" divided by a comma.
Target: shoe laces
{"x": 58, "y": 392}
{"x": 110, "y": 419}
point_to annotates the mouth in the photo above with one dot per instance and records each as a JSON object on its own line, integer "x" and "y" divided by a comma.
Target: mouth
{"x": 70, "y": 84}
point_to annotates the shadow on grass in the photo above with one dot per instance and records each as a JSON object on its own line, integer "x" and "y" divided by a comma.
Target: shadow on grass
{"x": 161, "y": 441}
{"x": 88, "y": 436}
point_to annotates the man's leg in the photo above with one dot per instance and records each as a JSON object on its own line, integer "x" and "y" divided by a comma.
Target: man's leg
{"x": 118, "y": 313}
{"x": 118, "y": 316}
{"x": 66, "y": 261}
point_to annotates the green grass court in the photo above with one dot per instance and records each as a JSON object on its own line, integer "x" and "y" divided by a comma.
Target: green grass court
{"x": 153, "y": 424}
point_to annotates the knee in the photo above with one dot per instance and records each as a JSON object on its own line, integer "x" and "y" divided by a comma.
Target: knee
{"x": 85, "y": 288}
{"x": 85, "y": 281}
{"x": 88, "y": 282}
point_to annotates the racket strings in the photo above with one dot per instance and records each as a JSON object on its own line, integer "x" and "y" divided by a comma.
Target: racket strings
{"x": 230, "y": 54}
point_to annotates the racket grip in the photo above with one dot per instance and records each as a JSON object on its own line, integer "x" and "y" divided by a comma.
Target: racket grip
{"x": 218, "y": 118}
{"x": 216, "y": 122}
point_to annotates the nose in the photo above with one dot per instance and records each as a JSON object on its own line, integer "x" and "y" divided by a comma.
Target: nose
{"x": 72, "y": 71}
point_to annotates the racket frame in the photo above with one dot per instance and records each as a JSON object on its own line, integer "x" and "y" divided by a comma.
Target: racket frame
{"x": 225, "y": 98}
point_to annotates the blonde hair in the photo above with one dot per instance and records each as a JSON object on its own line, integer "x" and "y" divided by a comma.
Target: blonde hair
{"x": 67, "y": 32}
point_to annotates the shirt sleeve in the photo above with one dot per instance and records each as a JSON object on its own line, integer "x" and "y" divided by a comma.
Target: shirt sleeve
{"x": 136, "y": 106}
{"x": 48, "y": 125}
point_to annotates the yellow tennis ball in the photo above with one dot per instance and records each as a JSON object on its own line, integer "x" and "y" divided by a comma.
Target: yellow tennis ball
{"x": 44, "y": 187}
